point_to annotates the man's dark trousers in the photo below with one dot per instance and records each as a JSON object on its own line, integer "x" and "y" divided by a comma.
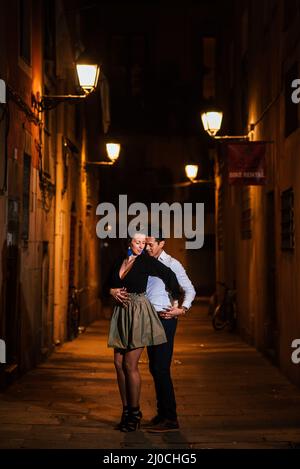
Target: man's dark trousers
{"x": 160, "y": 359}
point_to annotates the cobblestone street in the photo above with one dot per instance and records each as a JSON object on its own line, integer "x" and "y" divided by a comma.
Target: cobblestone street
{"x": 228, "y": 396}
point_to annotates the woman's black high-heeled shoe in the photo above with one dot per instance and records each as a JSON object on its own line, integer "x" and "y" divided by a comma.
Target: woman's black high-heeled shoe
{"x": 124, "y": 417}
{"x": 133, "y": 421}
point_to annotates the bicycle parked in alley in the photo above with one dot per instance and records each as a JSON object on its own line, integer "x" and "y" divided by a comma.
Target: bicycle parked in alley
{"x": 74, "y": 327}
{"x": 224, "y": 314}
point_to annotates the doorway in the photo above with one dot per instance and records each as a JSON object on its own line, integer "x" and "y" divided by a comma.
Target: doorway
{"x": 271, "y": 320}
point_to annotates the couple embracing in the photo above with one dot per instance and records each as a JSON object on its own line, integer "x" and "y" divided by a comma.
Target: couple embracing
{"x": 146, "y": 286}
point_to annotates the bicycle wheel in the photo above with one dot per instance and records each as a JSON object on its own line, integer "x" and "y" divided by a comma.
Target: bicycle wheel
{"x": 219, "y": 318}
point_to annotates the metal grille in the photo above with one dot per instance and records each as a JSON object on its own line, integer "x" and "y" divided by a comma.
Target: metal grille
{"x": 287, "y": 220}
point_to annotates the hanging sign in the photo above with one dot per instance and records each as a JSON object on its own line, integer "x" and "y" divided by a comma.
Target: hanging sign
{"x": 246, "y": 163}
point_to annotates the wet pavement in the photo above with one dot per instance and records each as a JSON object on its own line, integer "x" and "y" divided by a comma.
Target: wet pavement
{"x": 228, "y": 396}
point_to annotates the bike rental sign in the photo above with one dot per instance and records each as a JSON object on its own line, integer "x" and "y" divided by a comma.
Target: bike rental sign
{"x": 246, "y": 162}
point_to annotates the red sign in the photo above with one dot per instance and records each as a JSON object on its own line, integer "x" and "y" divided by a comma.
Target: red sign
{"x": 246, "y": 163}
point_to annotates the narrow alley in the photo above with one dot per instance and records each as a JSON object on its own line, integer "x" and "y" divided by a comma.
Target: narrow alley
{"x": 149, "y": 173}
{"x": 229, "y": 396}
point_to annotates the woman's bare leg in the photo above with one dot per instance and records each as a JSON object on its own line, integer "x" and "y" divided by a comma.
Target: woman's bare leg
{"x": 133, "y": 378}
{"x": 119, "y": 365}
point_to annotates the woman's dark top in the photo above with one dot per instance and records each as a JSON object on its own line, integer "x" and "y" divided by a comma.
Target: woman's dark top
{"x": 135, "y": 281}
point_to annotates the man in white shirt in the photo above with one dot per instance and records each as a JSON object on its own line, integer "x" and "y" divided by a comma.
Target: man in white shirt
{"x": 160, "y": 356}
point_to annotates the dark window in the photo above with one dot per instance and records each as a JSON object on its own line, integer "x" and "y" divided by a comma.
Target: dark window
{"x": 291, "y": 109}
{"x": 47, "y": 140}
{"x": 246, "y": 214}
{"x": 287, "y": 220}
{"x": 25, "y": 30}
{"x": 26, "y": 196}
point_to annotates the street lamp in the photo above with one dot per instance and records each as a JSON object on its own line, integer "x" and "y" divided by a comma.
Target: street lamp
{"x": 87, "y": 74}
{"x": 191, "y": 171}
{"x": 212, "y": 121}
{"x": 112, "y": 150}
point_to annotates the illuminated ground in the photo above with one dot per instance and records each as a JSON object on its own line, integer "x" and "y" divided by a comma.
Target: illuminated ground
{"x": 229, "y": 396}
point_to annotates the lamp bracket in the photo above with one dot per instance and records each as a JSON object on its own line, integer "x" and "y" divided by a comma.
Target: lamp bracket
{"x": 231, "y": 137}
{"x": 98, "y": 163}
{"x": 48, "y": 102}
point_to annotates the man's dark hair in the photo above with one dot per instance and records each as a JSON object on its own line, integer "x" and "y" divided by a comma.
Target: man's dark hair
{"x": 156, "y": 232}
